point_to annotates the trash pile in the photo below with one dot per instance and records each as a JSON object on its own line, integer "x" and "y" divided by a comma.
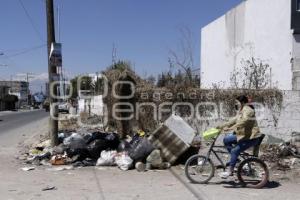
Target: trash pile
{"x": 283, "y": 159}
{"x": 79, "y": 149}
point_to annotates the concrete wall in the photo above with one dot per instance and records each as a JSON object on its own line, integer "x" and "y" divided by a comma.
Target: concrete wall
{"x": 93, "y": 105}
{"x": 279, "y": 122}
{"x": 296, "y": 62}
{"x": 255, "y": 28}
{"x": 288, "y": 118}
{"x": 97, "y": 105}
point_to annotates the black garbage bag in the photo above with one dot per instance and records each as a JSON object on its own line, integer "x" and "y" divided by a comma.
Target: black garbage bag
{"x": 141, "y": 151}
{"x": 95, "y": 148}
{"x": 88, "y": 138}
{"x": 112, "y": 139}
{"x": 124, "y": 146}
{"x": 78, "y": 154}
{"x": 75, "y": 145}
{"x": 136, "y": 139}
{"x": 59, "y": 150}
{"x": 85, "y": 163}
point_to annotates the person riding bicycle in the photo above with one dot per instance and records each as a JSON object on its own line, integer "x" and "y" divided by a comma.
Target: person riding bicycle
{"x": 244, "y": 134}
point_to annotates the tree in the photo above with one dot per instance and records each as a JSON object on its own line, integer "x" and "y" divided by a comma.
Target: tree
{"x": 86, "y": 84}
{"x": 151, "y": 79}
{"x": 254, "y": 74}
{"x": 121, "y": 65}
{"x": 178, "y": 79}
{"x": 183, "y": 58}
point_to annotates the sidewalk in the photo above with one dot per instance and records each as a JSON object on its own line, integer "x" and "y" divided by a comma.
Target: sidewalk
{"x": 84, "y": 183}
{"x": 110, "y": 182}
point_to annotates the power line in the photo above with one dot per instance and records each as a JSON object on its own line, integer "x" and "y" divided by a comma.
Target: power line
{"x": 31, "y": 21}
{"x": 26, "y": 51}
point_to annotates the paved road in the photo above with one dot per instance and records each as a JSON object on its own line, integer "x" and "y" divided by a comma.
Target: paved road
{"x": 13, "y": 120}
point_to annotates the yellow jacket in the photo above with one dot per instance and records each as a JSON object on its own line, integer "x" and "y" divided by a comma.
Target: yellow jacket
{"x": 244, "y": 124}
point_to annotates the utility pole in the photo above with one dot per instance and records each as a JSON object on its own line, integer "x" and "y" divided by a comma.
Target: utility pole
{"x": 27, "y": 91}
{"x": 52, "y": 70}
{"x": 27, "y": 81}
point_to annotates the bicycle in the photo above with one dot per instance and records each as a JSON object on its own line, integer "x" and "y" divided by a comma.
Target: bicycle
{"x": 251, "y": 172}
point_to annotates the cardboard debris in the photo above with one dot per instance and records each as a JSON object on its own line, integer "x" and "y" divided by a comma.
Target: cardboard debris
{"x": 173, "y": 138}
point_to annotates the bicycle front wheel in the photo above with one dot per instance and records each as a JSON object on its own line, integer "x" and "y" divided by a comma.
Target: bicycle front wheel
{"x": 253, "y": 173}
{"x": 199, "y": 169}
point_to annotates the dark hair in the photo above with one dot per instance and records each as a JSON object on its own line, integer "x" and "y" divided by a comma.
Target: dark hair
{"x": 242, "y": 99}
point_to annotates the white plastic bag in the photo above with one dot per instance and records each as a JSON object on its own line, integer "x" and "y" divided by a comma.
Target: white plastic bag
{"x": 107, "y": 158}
{"x": 123, "y": 161}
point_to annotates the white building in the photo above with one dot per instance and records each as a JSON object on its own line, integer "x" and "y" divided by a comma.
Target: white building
{"x": 268, "y": 30}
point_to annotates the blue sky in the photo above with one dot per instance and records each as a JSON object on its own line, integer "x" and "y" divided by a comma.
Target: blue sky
{"x": 143, "y": 31}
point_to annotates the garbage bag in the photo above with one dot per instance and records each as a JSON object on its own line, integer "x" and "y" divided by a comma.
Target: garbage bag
{"x": 60, "y": 149}
{"x": 141, "y": 151}
{"x": 76, "y": 146}
{"x": 155, "y": 159}
{"x": 136, "y": 139}
{"x": 96, "y": 147}
{"x": 88, "y": 138}
{"x": 124, "y": 146}
{"x": 78, "y": 154}
{"x": 74, "y": 141}
{"x": 112, "y": 139}
{"x": 61, "y": 137}
{"x": 123, "y": 161}
{"x": 84, "y": 163}
{"x": 107, "y": 158}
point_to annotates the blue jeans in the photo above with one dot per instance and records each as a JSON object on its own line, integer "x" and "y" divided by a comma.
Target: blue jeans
{"x": 235, "y": 148}
{"x": 230, "y": 140}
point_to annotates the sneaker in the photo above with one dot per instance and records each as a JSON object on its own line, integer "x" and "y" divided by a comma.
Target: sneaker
{"x": 225, "y": 175}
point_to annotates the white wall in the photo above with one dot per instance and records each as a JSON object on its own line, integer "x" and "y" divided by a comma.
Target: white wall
{"x": 296, "y": 62}
{"x": 97, "y": 105}
{"x": 258, "y": 28}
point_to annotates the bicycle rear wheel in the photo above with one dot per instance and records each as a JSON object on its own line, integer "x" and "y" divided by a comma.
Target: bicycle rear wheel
{"x": 253, "y": 173}
{"x": 199, "y": 169}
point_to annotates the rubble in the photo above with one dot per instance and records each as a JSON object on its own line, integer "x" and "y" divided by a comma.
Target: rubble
{"x": 28, "y": 168}
{"x": 143, "y": 151}
{"x": 61, "y": 168}
{"x": 59, "y": 160}
{"x": 49, "y": 188}
{"x": 283, "y": 161}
